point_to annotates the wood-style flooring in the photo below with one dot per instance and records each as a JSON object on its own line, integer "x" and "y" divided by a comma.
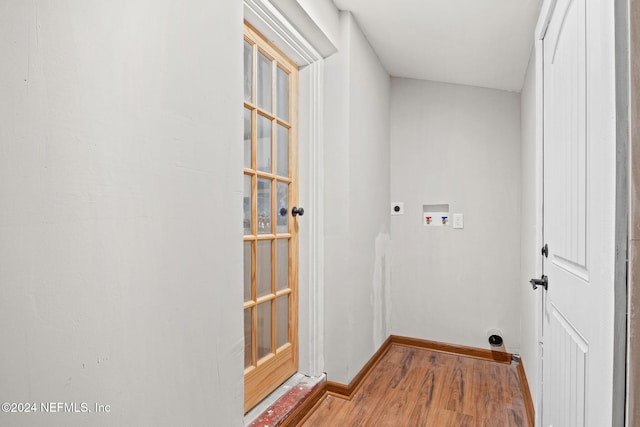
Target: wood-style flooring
{"x": 413, "y": 387}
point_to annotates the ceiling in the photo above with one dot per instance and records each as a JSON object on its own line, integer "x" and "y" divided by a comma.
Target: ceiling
{"x": 471, "y": 42}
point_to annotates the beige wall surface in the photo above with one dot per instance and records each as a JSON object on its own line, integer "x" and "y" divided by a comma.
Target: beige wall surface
{"x": 120, "y": 208}
{"x": 356, "y": 204}
{"x": 458, "y": 145}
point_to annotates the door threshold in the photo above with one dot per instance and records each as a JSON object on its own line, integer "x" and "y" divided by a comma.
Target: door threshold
{"x": 277, "y": 406}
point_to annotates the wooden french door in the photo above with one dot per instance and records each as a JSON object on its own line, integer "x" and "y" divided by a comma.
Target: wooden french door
{"x": 270, "y": 226}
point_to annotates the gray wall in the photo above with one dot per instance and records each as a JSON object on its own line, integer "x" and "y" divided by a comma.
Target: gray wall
{"x": 458, "y": 145}
{"x": 530, "y": 233}
{"x": 633, "y": 332}
{"x": 120, "y": 195}
{"x": 356, "y": 203}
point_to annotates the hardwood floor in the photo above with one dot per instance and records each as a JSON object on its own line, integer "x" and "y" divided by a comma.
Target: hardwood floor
{"x": 415, "y": 387}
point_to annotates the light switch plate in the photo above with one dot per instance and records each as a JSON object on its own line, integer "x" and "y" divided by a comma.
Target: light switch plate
{"x": 458, "y": 220}
{"x": 397, "y": 208}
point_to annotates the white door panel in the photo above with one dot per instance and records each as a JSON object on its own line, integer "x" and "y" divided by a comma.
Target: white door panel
{"x": 567, "y": 375}
{"x": 579, "y": 190}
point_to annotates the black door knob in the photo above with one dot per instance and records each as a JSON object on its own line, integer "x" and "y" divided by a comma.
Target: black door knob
{"x": 297, "y": 211}
{"x": 544, "y": 282}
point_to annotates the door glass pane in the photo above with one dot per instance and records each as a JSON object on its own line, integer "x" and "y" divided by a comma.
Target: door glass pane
{"x": 283, "y": 151}
{"x": 247, "y": 271}
{"x": 283, "y": 94}
{"x": 264, "y": 82}
{"x": 282, "y": 320}
{"x": 247, "y": 337}
{"x": 282, "y": 271}
{"x": 264, "y": 329}
{"x": 282, "y": 207}
{"x": 264, "y": 206}
{"x": 246, "y": 201}
{"x": 247, "y": 138}
{"x": 264, "y": 144}
{"x": 248, "y": 70}
{"x": 263, "y": 268}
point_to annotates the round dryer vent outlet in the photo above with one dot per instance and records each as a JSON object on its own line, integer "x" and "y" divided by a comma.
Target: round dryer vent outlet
{"x": 495, "y": 340}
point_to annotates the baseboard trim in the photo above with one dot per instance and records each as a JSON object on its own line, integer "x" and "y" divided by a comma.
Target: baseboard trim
{"x": 460, "y": 350}
{"x": 526, "y": 394}
{"x": 346, "y": 391}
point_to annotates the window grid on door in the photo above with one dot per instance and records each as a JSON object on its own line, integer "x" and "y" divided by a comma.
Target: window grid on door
{"x": 267, "y": 224}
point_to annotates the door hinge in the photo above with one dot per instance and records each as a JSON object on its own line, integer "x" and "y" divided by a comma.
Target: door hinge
{"x": 545, "y": 250}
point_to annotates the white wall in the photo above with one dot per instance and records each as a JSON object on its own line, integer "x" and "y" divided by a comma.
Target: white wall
{"x": 458, "y": 145}
{"x": 530, "y": 234}
{"x": 325, "y": 15}
{"x": 120, "y": 245}
{"x": 356, "y": 203}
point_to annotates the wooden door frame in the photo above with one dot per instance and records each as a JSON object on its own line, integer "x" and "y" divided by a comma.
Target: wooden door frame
{"x": 271, "y": 22}
{"x": 621, "y": 295}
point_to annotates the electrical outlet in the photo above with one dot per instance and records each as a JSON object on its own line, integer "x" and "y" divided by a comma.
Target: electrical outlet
{"x": 397, "y": 208}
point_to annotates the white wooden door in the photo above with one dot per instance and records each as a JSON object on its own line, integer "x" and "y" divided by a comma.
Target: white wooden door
{"x": 579, "y": 213}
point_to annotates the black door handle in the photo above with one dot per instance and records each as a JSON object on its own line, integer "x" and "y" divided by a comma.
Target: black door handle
{"x": 544, "y": 282}
{"x": 297, "y": 211}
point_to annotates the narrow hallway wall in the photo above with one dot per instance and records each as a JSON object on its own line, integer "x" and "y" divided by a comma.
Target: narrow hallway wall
{"x": 458, "y": 145}
{"x": 356, "y": 204}
{"x": 120, "y": 211}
